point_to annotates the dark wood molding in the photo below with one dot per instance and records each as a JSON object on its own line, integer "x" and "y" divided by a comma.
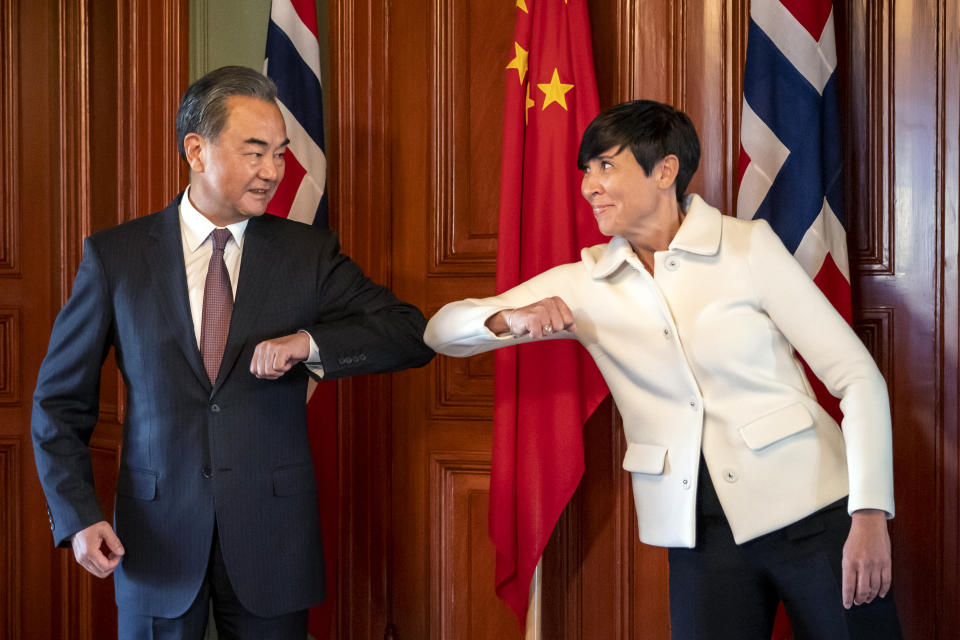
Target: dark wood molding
{"x": 10, "y": 122}
{"x": 874, "y": 326}
{"x": 453, "y": 475}
{"x": 10, "y": 540}
{"x": 10, "y": 347}
{"x": 152, "y": 70}
{"x": 458, "y": 248}
{"x": 948, "y": 341}
{"x": 869, "y": 113}
{"x": 463, "y": 388}
{"x": 359, "y": 180}
{"x": 73, "y": 109}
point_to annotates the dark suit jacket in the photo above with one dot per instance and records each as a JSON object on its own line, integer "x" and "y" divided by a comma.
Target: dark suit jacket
{"x": 238, "y": 451}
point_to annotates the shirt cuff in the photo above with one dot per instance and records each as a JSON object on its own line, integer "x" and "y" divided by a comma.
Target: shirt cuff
{"x": 313, "y": 361}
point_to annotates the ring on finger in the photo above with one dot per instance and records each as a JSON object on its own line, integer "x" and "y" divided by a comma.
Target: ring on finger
{"x": 548, "y": 328}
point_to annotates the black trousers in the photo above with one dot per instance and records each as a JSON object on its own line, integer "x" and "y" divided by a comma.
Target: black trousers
{"x": 232, "y": 619}
{"x": 720, "y": 590}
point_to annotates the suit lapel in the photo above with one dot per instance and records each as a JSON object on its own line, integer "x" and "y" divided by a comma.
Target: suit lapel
{"x": 253, "y": 286}
{"x": 170, "y": 282}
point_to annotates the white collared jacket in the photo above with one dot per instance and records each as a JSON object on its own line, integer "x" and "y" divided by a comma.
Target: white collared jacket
{"x": 702, "y": 356}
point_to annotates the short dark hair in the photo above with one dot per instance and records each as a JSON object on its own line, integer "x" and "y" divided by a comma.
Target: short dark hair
{"x": 203, "y": 108}
{"x": 651, "y": 130}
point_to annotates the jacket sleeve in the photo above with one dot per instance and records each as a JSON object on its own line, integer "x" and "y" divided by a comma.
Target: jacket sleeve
{"x": 66, "y": 401}
{"x": 363, "y": 327}
{"x": 837, "y": 356}
{"x": 459, "y": 328}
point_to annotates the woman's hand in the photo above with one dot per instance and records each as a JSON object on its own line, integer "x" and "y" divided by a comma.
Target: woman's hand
{"x": 538, "y": 319}
{"x": 867, "y": 567}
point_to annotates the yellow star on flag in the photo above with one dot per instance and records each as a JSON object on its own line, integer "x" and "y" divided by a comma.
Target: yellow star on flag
{"x": 529, "y": 103}
{"x": 555, "y": 91}
{"x": 523, "y": 5}
{"x": 519, "y": 61}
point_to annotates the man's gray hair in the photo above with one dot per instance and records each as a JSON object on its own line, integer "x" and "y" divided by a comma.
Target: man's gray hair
{"x": 203, "y": 108}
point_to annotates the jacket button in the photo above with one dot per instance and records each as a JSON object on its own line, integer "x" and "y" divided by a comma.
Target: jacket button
{"x": 215, "y": 408}
{"x": 206, "y": 472}
{"x": 667, "y": 333}
{"x": 730, "y": 475}
{"x": 685, "y": 483}
{"x": 363, "y": 357}
{"x": 692, "y": 403}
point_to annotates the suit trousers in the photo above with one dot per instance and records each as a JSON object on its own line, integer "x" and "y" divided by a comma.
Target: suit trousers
{"x": 232, "y": 618}
{"x": 720, "y": 590}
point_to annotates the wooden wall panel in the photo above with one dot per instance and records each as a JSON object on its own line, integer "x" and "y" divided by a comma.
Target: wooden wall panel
{"x": 463, "y": 388}
{"x": 892, "y": 111}
{"x": 947, "y": 562}
{"x": 10, "y": 346}
{"x": 467, "y": 103}
{"x": 360, "y": 212}
{"x": 63, "y": 63}
{"x": 446, "y": 122}
{"x": 10, "y": 539}
{"x": 461, "y": 578}
{"x": 864, "y": 42}
{"x": 9, "y": 167}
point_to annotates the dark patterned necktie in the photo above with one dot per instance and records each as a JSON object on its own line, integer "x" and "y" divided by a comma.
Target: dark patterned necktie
{"x": 217, "y": 306}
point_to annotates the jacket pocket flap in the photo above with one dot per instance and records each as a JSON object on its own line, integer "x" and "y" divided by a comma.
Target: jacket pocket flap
{"x": 644, "y": 458}
{"x": 776, "y": 426}
{"x": 137, "y": 483}
{"x": 297, "y": 478}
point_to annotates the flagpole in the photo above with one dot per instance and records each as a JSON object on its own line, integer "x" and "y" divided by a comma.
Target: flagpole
{"x": 533, "y": 607}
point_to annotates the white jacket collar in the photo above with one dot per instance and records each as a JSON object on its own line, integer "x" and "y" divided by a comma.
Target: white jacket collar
{"x": 699, "y": 233}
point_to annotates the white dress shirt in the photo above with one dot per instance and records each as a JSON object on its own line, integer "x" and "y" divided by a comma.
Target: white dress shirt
{"x": 195, "y": 233}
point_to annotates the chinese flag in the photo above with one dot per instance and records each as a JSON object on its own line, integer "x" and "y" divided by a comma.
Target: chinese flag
{"x": 546, "y": 391}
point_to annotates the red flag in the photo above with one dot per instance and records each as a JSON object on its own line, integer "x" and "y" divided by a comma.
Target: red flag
{"x": 544, "y": 392}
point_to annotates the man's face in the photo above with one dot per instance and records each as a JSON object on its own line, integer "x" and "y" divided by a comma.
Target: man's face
{"x": 623, "y": 197}
{"x": 234, "y": 177}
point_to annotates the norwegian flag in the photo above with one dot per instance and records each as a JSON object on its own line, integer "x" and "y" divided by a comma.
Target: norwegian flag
{"x": 790, "y": 154}
{"x": 292, "y": 61}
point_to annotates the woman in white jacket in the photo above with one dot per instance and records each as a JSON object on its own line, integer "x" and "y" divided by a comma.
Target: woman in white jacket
{"x": 693, "y": 318}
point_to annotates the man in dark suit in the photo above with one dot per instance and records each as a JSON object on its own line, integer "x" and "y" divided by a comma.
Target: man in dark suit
{"x": 216, "y": 498}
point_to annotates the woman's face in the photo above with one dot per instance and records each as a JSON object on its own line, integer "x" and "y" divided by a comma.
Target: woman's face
{"x": 623, "y": 197}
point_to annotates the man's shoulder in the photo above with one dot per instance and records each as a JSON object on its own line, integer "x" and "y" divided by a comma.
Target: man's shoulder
{"x": 137, "y": 227}
{"x": 291, "y": 232}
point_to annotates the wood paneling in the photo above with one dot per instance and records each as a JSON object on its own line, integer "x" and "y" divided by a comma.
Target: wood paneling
{"x": 9, "y": 167}
{"x": 947, "y": 562}
{"x": 463, "y": 388}
{"x": 360, "y": 213}
{"x": 10, "y": 539}
{"x": 92, "y": 88}
{"x": 446, "y": 66}
{"x": 460, "y": 577}
{"x": 875, "y": 329}
{"x": 10, "y": 346}
{"x": 467, "y": 103}
{"x": 73, "y": 111}
{"x": 866, "y": 53}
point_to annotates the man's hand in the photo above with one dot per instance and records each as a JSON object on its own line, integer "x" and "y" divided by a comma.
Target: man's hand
{"x": 86, "y": 549}
{"x": 867, "y": 568}
{"x": 273, "y": 358}
{"x": 538, "y": 319}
